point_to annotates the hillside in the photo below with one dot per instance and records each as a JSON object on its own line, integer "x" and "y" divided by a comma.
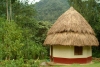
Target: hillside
{"x": 50, "y": 10}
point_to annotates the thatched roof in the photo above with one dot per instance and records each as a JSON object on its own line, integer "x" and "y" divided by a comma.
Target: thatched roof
{"x": 71, "y": 29}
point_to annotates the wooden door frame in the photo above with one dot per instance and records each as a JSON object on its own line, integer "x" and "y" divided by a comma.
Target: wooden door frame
{"x": 51, "y": 50}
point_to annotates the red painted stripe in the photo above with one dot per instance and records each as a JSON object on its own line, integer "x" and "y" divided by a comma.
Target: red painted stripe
{"x": 72, "y": 60}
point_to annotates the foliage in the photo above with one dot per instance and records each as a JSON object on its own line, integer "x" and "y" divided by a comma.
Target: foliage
{"x": 50, "y": 10}
{"x": 11, "y": 36}
{"x": 95, "y": 52}
{"x": 33, "y": 50}
{"x": 24, "y": 15}
{"x": 20, "y": 35}
{"x": 18, "y": 38}
{"x": 15, "y": 44}
{"x": 19, "y": 63}
{"x": 43, "y": 27}
{"x": 2, "y": 8}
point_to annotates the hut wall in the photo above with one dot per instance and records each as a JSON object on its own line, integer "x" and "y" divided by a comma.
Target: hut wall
{"x": 68, "y": 52}
{"x": 65, "y": 54}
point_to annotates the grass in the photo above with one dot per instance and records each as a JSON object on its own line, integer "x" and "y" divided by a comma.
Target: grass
{"x": 36, "y": 63}
{"x": 94, "y": 64}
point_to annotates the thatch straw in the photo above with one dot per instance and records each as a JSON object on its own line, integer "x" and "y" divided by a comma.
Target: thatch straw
{"x": 71, "y": 29}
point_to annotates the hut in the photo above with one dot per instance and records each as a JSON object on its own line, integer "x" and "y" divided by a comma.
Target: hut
{"x": 70, "y": 39}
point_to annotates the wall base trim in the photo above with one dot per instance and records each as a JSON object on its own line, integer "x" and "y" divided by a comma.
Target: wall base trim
{"x": 71, "y": 60}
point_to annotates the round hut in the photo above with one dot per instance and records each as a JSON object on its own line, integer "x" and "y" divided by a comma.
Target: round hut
{"x": 70, "y": 39}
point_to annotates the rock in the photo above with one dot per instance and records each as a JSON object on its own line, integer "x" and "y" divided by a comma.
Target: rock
{"x": 44, "y": 64}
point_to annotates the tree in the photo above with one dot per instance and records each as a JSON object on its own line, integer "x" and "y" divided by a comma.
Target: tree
{"x": 2, "y": 8}
{"x": 9, "y": 9}
{"x": 20, "y": 38}
{"x": 11, "y": 39}
{"x": 43, "y": 27}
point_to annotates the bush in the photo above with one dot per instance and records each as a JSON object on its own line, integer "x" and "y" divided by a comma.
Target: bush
{"x": 96, "y": 52}
{"x": 19, "y": 63}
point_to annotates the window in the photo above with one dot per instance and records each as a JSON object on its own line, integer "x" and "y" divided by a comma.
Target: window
{"x": 78, "y": 50}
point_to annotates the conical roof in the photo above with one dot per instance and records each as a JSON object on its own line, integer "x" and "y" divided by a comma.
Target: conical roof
{"x": 71, "y": 29}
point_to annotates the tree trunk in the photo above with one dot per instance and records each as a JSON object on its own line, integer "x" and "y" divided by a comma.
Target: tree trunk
{"x": 7, "y": 9}
{"x": 10, "y": 11}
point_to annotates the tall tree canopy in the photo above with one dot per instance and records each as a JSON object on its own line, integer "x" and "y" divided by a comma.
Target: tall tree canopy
{"x": 50, "y": 10}
{"x": 20, "y": 38}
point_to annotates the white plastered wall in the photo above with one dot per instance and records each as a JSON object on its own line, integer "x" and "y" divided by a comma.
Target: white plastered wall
{"x": 68, "y": 52}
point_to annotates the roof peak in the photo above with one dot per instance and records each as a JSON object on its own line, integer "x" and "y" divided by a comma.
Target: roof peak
{"x": 71, "y": 7}
{"x": 71, "y": 20}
